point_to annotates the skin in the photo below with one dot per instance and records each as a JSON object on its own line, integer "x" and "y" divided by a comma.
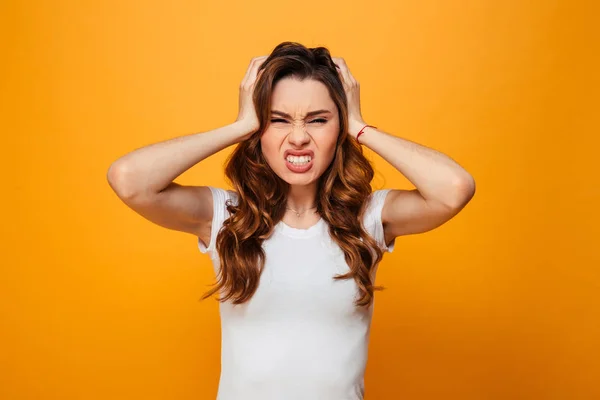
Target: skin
{"x": 298, "y": 132}
{"x": 442, "y": 186}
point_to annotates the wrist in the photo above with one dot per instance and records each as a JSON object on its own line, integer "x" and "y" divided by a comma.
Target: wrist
{"x": 243, "y": 129}
{"x": 355, "y": 126}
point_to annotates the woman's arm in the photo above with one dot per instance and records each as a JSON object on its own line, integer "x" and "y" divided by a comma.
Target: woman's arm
{"x": 143, "y": 178}
{"x": 150, "y": 169}
{"x": 437, "y": 177}
{"x": 443, "y": 187}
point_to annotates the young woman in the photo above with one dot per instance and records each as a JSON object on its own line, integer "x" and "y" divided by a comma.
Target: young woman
{"x": 296, "y": 244}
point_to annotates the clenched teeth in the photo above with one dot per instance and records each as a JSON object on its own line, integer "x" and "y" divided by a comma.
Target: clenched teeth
{"x": 299, "y": 160}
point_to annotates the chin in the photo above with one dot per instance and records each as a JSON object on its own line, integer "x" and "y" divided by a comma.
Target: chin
{"x": 298, "y": 179}
{"x": 300, "y": 182}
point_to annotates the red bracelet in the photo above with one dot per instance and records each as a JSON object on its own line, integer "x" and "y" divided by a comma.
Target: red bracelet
{"x": 361, "y": 131}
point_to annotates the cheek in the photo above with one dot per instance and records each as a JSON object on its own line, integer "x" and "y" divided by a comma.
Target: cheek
{"x": 329, "y": 155}
{"x": 328, "y": 145}
{"x": 269, "y": 148}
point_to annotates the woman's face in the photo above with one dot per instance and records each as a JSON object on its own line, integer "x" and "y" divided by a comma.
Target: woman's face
{"x": 297, "y": 128}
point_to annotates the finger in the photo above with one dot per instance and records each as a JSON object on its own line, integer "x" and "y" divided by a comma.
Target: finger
{"x": 258, "y": 75}
{"x": 337, "y": 61}
{"x": 352, "y": 78}
{"x": 251, "y": 70}
{"x": 259, "y": 62}
{"x": 343, "y": 68}
{"x": 341, "y": 65}
{"x": 255, "y": 71}
{"x": 248, "y": 74}
{"x": 347, "y": 74}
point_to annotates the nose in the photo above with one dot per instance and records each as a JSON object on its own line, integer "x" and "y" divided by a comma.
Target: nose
{"x": 298, "y": 135}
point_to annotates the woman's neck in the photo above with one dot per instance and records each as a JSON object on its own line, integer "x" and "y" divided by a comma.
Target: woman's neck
{"x": 301, "y": 207}
{"x": 302, "y": 198}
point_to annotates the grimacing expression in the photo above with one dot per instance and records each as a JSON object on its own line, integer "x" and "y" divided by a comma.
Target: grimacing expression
{"x": 294, "y": 127}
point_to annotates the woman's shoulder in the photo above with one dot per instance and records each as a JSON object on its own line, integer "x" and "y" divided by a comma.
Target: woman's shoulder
{"x": 222, "y": 196}
{"x": 372, "y": 217}
{"x": 375, "y": 202}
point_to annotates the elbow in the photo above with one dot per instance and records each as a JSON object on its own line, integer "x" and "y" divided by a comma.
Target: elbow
{"x": 117, "y": 180}
{"x": 464, "y": 190}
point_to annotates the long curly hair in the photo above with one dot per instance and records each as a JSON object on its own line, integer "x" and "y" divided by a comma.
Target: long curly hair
{"x": 341, "y": 197}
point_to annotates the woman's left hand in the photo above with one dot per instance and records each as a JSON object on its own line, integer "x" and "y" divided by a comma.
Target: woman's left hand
{"x": 352, "y": 90}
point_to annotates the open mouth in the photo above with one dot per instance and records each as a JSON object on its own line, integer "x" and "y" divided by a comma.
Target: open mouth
{"x": 299, "y": 162}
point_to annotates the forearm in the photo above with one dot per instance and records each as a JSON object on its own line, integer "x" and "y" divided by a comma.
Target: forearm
{"x": 152, "y": 168}
{"x": 436, "y": 176}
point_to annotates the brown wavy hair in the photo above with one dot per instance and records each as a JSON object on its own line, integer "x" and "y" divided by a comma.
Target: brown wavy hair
{"x": 342, "y": 190}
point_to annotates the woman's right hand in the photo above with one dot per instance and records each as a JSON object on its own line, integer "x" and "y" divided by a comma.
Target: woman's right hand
{"x": 247, "y": 113}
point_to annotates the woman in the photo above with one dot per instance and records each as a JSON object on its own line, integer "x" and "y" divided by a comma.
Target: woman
{"x": 296, "y": 244}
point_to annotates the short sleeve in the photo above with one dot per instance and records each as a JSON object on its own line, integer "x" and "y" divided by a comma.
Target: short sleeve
{"x": 220, "y": 214}
{"x": 372, "y": 219}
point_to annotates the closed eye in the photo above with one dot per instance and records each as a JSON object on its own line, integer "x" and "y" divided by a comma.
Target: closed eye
{"x": 318, "y": 120}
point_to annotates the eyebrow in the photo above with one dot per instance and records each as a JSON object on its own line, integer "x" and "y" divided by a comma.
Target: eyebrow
{"x": 309, "y": 114}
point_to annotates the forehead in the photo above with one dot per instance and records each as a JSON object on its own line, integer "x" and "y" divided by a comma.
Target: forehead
{"x": 292, "y": 95}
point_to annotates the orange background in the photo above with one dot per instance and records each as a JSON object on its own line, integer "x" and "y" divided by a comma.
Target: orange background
{"x": 500, "y": 303}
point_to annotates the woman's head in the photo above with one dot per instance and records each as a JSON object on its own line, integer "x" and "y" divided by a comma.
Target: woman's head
{"x": 296, "y": 80}
{"x": 301, "y": 138}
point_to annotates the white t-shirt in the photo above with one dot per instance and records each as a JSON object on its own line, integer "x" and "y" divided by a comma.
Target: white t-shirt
{"x": 300, "y": 336}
